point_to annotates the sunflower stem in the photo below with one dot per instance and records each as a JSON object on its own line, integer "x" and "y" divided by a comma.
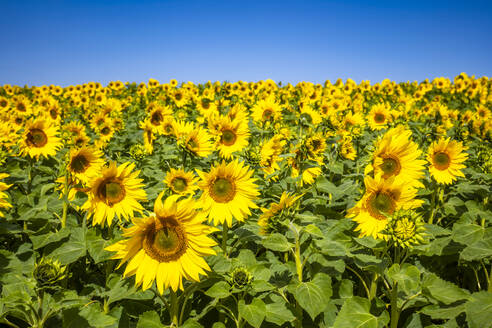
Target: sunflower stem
{"x": 185, "y": 154}
{"x": 65, "y": 201}
{"x": 225, "y": 230}
{"x": 174, "y": 308}
{"x": 395, "y": 311}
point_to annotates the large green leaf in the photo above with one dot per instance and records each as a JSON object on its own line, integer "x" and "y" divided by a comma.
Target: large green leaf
{"x": 220, "y": 289}
{"x": 149, "y": 319}
{"x": 47, "y": 238}
{"x": 443, "y": 291}
{"x": 278, "y": 313}
{"x": 73, "y": 249}
{"x": 467, "y": 233}
{"x": 407, "y": 276}
{"x": 355, "y": 313}
{"x": 314, "y": 296}
{"x": 477, "y": 250}
{"x": 277, "y": 242}
{"x": 479, "y": 310}
{"x": 254, "y": 313}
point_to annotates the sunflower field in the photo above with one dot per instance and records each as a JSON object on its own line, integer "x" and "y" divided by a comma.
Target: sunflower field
{"x": 247, "y": 204}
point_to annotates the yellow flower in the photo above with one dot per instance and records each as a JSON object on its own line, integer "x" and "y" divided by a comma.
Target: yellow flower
{"x": 228, "y": 192}
{"x": 396, "y": 155}
{"x": 266, "y": 111}
{"x": 233, "y": 136}
{"x": 39, "y": 139}
{"x": 167, "y": 246}
{"x": 194, "y": 139}
{"x": 181, "y": 182}
{"x": 379, "y": 116}
{"x": 85, "y": 163}
{"x": 267, "y": 220}
{"x": 3, "y": 186}
{"x": 382, "y": 198}
{"x": 115, "y": 192}
{"x": 446, "y": 157}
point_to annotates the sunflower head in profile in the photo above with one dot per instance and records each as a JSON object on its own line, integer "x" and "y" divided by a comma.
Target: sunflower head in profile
{"x": 193, "y": 139}
{"x": 446, "y": 159}
{"x": 397, "y": 156}
{"x": 382, "y": 198}
{"x": 379, "y": 116}
{"x": 271, "y": 219}
{"x": 116, "y": 191}
{"x": 85, "y": 163}
{"x": 167, "y": 246}
{"x": 181, "y": 182}
{"x": 228, "y": 192}
{"x": 39, "y": 139}
{"x": 3, "y": 186}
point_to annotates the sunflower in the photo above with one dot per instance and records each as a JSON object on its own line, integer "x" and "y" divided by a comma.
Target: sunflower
{"x": 382, "y": 198}
{"x": 379, "y": 116}
{"x": 3, "y": 186}
{"x": 234, "y": 136}
{"x": 115, "y": 192}
{"x": 266, "y": 110}
{"x": 269, "y": 221}
{"x": 39, "y": 139}
{"x": 166, "y": 246}
{"x": 446, "y": 157}
{"x": 106, "y": 132}
{"x": 22, "y": 106}
{"x": 396, "y": 155}
{"x": 195, "y": 140}
{"x": 85, "y": 163}
{"x": 157, "y": 114}
{"x": 228, "y": 191}
{"x": 181, "y": 182}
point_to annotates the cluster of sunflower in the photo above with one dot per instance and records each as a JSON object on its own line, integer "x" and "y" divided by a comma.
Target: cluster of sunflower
{"x": 392, "y": 179}
{"x": 295, "y": 129}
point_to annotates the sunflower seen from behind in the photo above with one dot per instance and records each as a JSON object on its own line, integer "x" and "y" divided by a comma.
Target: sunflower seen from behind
{"x": 167, "y": 246}
{"x": 446, "y": 158}
{"x": 228, "y": 192}
{"x": 116, "y": 191}
{"x": 39, "y": 139}
{"x": 270, "y": 220}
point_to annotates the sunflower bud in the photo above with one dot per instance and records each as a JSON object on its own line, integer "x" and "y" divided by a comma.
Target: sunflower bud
{"x": 240, "y": 278}
{"x": 138, "y": 152}
{"x": 405, "y": 228}
{"x": 48, "y": 272}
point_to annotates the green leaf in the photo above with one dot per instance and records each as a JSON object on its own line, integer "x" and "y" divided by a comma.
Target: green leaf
{"x": 314, "y": 230}
{"x": 407, "y": 276}
{"x": 440, "y": 312}
{"x": 443, "y": 291}
{"x": 467, "y": 233}
{"x": 95, "y": 246}
{"x": 73, "y": 249}
{"x": 277, "y": 242}
{"x": 95, "y": 317}
{"x": 314, "y": 296}
{"x": 253, "y": 313}
{"x": 479, "y": 309}
{"x": 220, "y": 289}
{"x": 47, "y": 238}
{"x": 477, "y": 250}
{"x": 149, "y": 319}
{"x": 355, "y": 313}
{"x": 278, "y": 313}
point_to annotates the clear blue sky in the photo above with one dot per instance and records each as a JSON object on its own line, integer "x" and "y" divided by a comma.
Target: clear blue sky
{"x": 70, "y": 42}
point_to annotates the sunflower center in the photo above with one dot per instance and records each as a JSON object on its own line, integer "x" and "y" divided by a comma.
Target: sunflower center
{"x": 228, "y": 137}
{"x": 165, "y": 241}
{"x": 380, "y": 203}
{"x": 21, "y": 107}
{"x": 267, "y": 114}
{"x": 391, "y": 166}
{"x": 192, "y": 144}
{"x": 379, "y": 118}
{"x": 111, "y": 191}
{"x": 3, "y": 103}
{"x": 179, "y": 184}
{"x": 37, "y": 138}
{"x": 105, "y": 131}
{"x": 156, "y": 118}
{"x": 441, "y": 161}
{"x": 53, "y": 113}
{"x": 178, "y": 96}
{"x": 79, "y": 163}
{"x": 223, "y": 190}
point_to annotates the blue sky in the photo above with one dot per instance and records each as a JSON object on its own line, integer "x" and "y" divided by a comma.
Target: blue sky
{"x": 71, "y": 42}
